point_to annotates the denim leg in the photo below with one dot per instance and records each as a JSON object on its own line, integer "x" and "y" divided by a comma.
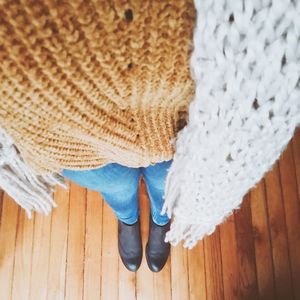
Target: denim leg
{"x": 116, "y": 183}
{"x": 155, "y": 177}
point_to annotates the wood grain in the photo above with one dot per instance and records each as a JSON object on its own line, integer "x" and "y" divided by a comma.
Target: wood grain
{"x": 196, "y": 268}
{"x": 76, "y": 242}
{"x": 262, "y": 243}
{"x": 179, "y": 273}
{"x": 213, "y": 266}
{"x": 8, "y": 231}
{"x": 40, "y": 257}
{"x": 58, "y": 246}
{"x": 23, "y": 258}
{"x": 292, "y": 212}
{"x": 246, "y": 251}
{"x": 278, "y": 230}
{"x": 110, "y": 261}
{"x": 230, "y": 261}
{"x": 93, "y": 246}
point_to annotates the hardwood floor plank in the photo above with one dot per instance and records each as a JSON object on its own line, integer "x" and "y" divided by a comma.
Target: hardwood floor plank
{"x": 144, "y": 277}
{"x": 292, "y": 211}
{"x": 23, "y": 258}
{"x": 40, "y": 257}
{"x": 213, "y": 266}
{"x": 58, "y": 246}
{"x": 278, "y": 230}
{"x": 110, "y": 260}
{"x": 162, "y": 283}
{"x": 230, "y": 261}
{"x": 9, "y": 221}
{"x": 76, "y": 241}
{"x": 126, "y": 283}
{"x": 196, "y": 268}
{"x": 246, "y": 251}
{"x": 262, "y": 243}
{"x": 179, "y": 273}
{"x": 93, "y": 246}
{"x": 296, "y": 155}
{"x": 1, "y": 204}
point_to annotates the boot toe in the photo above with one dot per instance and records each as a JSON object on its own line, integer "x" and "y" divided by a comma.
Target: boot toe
{"x": 155, "y": 262}
{"x": 132, "y": 264}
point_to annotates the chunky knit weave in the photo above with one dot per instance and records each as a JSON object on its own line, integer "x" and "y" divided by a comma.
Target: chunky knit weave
{"x": 246, "y": 64}
{"x": 86, "y": 83}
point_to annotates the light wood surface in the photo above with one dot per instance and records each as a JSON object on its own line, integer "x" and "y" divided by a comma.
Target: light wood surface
{"x": 72, "y": 253}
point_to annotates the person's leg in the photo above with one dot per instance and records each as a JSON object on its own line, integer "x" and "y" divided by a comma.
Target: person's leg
{"x": 157, "y": 251}
{"x": 119, "y": 187}
{"x": 155, "y": 177}
{"x": 117, "y": 184}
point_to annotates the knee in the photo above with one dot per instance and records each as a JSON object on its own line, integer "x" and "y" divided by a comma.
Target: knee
{"x": 157, "y": 183}
{"x": 121, "y": 185}
{"x": 156, "y": 175}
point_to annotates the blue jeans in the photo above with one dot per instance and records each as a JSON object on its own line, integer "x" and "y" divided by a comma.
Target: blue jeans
{"x": 119, "y": 187}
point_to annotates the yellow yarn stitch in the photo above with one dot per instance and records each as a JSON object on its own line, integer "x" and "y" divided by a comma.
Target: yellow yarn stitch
{"x": 86, "y": 83}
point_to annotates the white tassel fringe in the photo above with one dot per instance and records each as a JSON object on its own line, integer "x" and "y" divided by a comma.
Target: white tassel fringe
{"x": 30, "y": 190}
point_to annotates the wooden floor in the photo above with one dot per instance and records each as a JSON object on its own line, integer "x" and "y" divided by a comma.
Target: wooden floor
{"x": 72, "y": 254}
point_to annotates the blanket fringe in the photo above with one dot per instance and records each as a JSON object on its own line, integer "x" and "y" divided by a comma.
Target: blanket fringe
{"x": 29, "y": 189}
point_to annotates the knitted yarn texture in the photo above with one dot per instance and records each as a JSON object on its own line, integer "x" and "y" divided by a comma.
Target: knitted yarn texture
{"x": 246, "y": 65}
{"x": 86, "y": 83}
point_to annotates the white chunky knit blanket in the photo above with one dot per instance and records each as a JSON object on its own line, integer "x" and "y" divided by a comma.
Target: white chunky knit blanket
{"x": 246, "y": 65}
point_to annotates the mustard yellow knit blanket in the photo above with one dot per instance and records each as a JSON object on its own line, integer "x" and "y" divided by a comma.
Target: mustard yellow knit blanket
{"x": 86, "y": 83}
